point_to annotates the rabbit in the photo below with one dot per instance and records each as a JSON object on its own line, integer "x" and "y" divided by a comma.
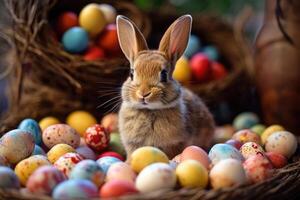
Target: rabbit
{"x": 156, "y": 110}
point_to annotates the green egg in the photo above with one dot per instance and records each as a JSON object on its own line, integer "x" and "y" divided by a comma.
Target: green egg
{"x": 116, "y": 145}
{"x": 258, "y": 128}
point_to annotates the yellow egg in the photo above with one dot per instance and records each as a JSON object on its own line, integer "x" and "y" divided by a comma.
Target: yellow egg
{"x": 269, "y": 131}
{"x": 27, "y": 166}
{"x": 59, "y": 150}
{"x": 182, "y": 72}
{"x": 80, "y": 121}
{"x": 145, "y": 156}
{"x": 48, "y": 121}
{"x": 192, "y": 174}
{"x": 92, "y": 19}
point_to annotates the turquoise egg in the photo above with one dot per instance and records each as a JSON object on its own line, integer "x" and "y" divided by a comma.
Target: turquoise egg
{"x": 211, "y": 52}
{"x": 106, "y": 162}
{"x": 245, "y": 120}
{"x": 38, "y": 151}
{"x": 8, "y": 178}
{"x": 75, "y": 189}
{"x": 193, "y": 46}
{"x": 223, "y": 151}
{"x": 33, "y": 128}
{"x": 75, "y": 40}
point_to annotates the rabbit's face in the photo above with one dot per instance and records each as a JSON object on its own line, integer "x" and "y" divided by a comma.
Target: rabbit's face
{"x": 150, "y": 84}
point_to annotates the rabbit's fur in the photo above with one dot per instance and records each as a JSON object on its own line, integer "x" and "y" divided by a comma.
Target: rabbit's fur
{"x": 156, "y": 110}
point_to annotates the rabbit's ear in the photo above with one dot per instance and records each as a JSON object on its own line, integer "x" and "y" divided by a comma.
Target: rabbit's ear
{"x": 175, "y": 39}
{"x": 130, "y": 38}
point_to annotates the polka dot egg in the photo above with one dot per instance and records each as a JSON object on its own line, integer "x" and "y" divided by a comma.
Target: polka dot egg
{"x": 67, "y": 162}
{"x": 97, "y": 137}
{"x": 251, "y": 148}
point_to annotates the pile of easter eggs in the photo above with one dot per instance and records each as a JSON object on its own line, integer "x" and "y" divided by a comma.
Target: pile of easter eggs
{"x": 199, "y": 64}
{"x": 91, "y": 33}
{"x": 84, "y": 159}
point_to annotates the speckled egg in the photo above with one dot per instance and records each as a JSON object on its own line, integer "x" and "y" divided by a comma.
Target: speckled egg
{"x": 106, "y": 162}
{"x": 120, "y": 171}
{"x": 223, "y": 133}
{"x": 89, "y": 170}
{"x": 283, "y": 142}
{"x": 251, "y": 148}
{"x": 75, "y": 189}
{"x": 157, "y": 176}
{"x": 246, "y": 135}
{"x": 223, "y": 151}
{"x": 112, "y": 154}
{"x": 110, "y": 122}
{"x": 27, "y": 166}
{"x": 115, "y": 144}
{"x": 258, "y": 168}
{"x": 44, "y": 179}
{"x": 109, "y": 12}
{"x": 38, "y": 151}
{"x": 60, "y": 134}
{"x": 86, "y": 152}
{"x": 33, "y": 128}
{"x": 245, "y": 120}
{"x": 59, "y": 150}
{"x": 269, "y": 131}
{"x": 145, "y": 156}
{"x": 195, "y": 153}
{"x": 227, "y": 173}
{"x": 48, "y": 121}
{"x": 235, "y": 143}
{"x": 67, "y": 162}
{"x": 16, "y": 145}
{"x": 97, "y": 137}
{"x": 192, "y": 174}
{"x": 258, "y": 129}
{"x": 117, "y": 188}
{"x": 278, "y": 161}
{"x": 8, "y": 178}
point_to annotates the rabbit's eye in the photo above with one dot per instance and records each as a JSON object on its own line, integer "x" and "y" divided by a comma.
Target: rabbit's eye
{"x": 164, "y": 76}
{"x": 131, "y": 74}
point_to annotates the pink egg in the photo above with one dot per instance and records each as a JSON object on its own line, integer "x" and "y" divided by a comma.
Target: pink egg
{"x": 195, "y": 153}
{"x": 67, "y": 162}
{"x": 120, "y": 171}
{"x": 246, "y": 135}
{"x": 86, "y": 152}
{"x": 112, "y": 154}
{"x": 97, "y": 137}
{"x": 277, "y": 160}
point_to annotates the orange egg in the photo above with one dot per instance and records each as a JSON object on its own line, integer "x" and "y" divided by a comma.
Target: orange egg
{"x": 108, "y": 39}
{"x": 65, "y": 21}
{"x": 195, "y": 153}
{"x": 94, "y": 53}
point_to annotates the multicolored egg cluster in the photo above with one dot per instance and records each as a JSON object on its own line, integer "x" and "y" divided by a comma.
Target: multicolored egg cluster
{"x": 91, "y": 33}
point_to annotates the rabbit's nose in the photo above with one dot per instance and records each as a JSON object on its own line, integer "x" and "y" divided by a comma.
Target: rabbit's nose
{"x": 142, "y": 94}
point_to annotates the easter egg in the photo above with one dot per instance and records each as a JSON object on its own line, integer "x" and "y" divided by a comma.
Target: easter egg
{"x": 258, "y": 168}
{"x": 200, "y": 66}
{"x": 192, "y": 174}
{"x": 75, "y": 40}
{"x": 223, "y": 133}
{"x": 157, "y": 176}
{"x": 109, "y": 12}
{"x": 94, "y": 53}
{"x": 258, "y": 129}
{"x": 80, "y": 121}
{"x": 33, "y": 128}
{"x": 16, "y": 145}
{"x": 67, "y": 162}
{"x": 48, "y": 121}
{"x": 245, "y": 120}
{"x": 235, "y": 143}
{"x": 251, "y": 148}
{"x": 269, "y": 131}
{"x": 115, "y": 144}
{"x": 278, "y": 161}
{"x": 182, "y": 71}
{"x": 27, "y": 166}
{"x": 218, "y": 71}
{"x": 97, "y": 137}
{"x": 86, "y": 152}
{"x": 227, "y": 173}
{"x": 90, "y": 170}
{"x": 193, "y": 46}
{"x": 60, "y": 134}
{"x": 106, "y": 162}
{"x": 59, "y": 150}
{"x": 44, "y": 179}
{"x": 38, "y": 151}
{"x": 224, "y": 151}
{"x": 120, "y": 171}
{"x": 75, "y": 189}
{"x": 112, "y": 154}
{"x": 211, "y": 52}
{"x": 65, "y": 21}
{"x": 246, "y": 135}
{"x": 145, "y": 156}
{"x": 117, "y": 188}
{"x": 108, "y": 39}
{"x": 92, "y": 19}
{"x": 195, "y": 153}
{"x": 110, "y": 122}
{"x": 282, "y": 142}
{"x": 8, "y": 178}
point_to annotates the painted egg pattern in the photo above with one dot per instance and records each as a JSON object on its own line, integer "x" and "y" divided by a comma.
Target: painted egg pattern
{"x": 8, "y": 178}
{"x": 251, "y": 148}
{"x": 33, "y": 128}
{"x": 246, "y": 135}
{"x": 86, "y": 152}
{"x": 223, "y": 151}
{"x": 67, "y": 162}
{"x": 97, "y": 137}
{"x": 59, "y": 150}
{"x": 60, "y": 134}
{"x": 120, "y": 171}
{"x": 106, "y": 162}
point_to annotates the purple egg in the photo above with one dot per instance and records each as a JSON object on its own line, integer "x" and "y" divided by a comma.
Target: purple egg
{"x": 235, "y": 143}
{"x": 86, "y": 152}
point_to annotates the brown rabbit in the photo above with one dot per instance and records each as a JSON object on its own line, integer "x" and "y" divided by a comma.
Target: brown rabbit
{"x": 156, "y": 110}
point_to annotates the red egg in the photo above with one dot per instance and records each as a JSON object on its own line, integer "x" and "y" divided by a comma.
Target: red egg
{"x": 201, "y": 67}
{"x": 235, "y": 143}
{"x": 97, "y": 137}
{"x": 112, "y": 154}
{"x": 277, "y": 160}
{"x": 108, "y": 39}
{"x": 116, "y": 188}
{"x": 195, "y": 153}
{"x": 65, "y": 21}
{"x": 94, "y": 53}
{"x": 218, "y": 71}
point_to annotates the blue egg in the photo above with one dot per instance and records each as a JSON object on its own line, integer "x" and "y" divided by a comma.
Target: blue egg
{"x": 245, "y": 120}
{"x": 211, "y": 52}
{"x": 38, "y": 151}
{"x": 33, "y": 128}
{"x": 75, "y": 40}
{"x": 8, "y": 178}
{"x": 224, "y": 151}
{"x": 193, "y": 46}
{"x": 106, "y": 162}
{"x": 75, "y": 189}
